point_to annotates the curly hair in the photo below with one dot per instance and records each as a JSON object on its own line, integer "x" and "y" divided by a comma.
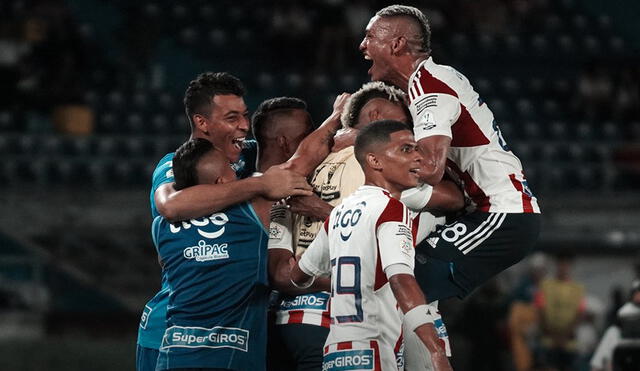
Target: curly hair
{"x": 369, "y": 91}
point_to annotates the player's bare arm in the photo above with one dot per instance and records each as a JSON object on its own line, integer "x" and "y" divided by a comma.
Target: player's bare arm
{"x": 316, "y": 146}
{"x": 446, "y": 197}
{"x": 409, "y": 296}
{"x": 298, "y": 277}
{"x": 310, "y": 206}
{"x": 204, "y": 199}
{"x": 280, "y": 266}
{"x": 434, "y": 150}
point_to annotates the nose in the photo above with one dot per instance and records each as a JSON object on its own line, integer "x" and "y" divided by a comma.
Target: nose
{"x": 363, "y": 45}
{"x": 244, "y": 124}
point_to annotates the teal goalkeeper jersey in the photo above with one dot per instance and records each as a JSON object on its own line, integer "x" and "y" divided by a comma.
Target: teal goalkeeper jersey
{"x": 152, "y": 321}
{"x": 216, "y": 271}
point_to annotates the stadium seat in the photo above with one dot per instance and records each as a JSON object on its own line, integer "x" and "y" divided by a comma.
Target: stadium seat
{"x": 584, "y": 131}
{"x": 108, "y": 122}
{"x": 135, "y": 124}
{"x": 558, "y": 130}
{"x": 218, "y": 37}
{"x": 189, "y": 36}
{"x": 610, "y": 131}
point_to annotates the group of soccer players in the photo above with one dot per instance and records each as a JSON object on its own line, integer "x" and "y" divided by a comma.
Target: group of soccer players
{"x": 362, "y": 255}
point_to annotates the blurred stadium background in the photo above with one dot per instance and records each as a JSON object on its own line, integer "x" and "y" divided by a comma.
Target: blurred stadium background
{"x": 91, "y": 98}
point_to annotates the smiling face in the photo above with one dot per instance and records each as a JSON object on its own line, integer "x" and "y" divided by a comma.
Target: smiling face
{"x": 227, "y": 125}
{"x": 400, "y": 161}
{"x": 376, "y": 47}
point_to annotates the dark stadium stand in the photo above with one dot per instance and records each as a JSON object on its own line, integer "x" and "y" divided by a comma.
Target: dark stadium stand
{"x": 562, "y": 80}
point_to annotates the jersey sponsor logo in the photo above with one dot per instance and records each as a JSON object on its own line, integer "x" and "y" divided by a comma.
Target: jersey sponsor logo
{"x": 441, "y": 330}
{"x": 205, "y": 252}
{"x": 144, "y": 318}
{"x": 347, "y": 219}
{"x": 208, "y": 227}
{"x": 310, "y": 301}
{"x": 200, "y": 337}
{"x": 348, "y": 360}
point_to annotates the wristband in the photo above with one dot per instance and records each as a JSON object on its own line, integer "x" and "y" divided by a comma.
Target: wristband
{"x": 418, "y": 316}
{"x": 417, "y": 198}
{"x": 305, "y": 285}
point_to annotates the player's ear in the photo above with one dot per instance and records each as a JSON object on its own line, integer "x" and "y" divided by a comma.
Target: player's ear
{"x": 398, "y": 45}
{"x": 374, "y": 115}
{"x": 282, "y": 142}
{"x": 200, "y": 123}
{"x": 372, "y": 161}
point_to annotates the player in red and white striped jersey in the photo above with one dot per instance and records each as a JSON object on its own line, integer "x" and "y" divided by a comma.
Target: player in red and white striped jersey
{"x": 457, "y": 133}
{"x": 366, "y": 245}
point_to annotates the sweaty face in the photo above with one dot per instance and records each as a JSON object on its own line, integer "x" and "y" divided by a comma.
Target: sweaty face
{"x": 228, "y": 124}
{"x": 376, "y": 47}
{"x": 400, "y": 161}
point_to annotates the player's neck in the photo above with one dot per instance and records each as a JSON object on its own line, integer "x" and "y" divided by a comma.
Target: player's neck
{"x": 268, "y": 158}
{"x": 379, "y": 181}
{"x": 404, "y": 68}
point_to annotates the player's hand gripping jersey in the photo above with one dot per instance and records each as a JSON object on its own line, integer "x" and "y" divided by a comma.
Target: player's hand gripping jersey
{"x": 443, "y": 102}
{"x": 364, "y": 236}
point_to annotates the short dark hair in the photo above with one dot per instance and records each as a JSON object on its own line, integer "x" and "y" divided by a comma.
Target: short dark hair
{"x": 267, "y": 109}
{"x": 185, "y": 162}
{"x": 374, "y": 135}
{"x": 417, "y": 16}
{"x": 200, "y": 92}
{"x": 369, "y": 91}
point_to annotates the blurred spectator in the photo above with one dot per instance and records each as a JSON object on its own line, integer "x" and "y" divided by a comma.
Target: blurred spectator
{"x": 523, "y": 314}
{"x": 619, "y": 348}
{"x": 561, "y": 303}
{"x": 626, "y": 104}
{"x": 595, "y": 88}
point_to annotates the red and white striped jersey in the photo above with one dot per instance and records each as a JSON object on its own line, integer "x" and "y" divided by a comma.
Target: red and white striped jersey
{"x": 368, "y": 232}
{"x": 443, "y": 102}
{"x": 310, "y": 309}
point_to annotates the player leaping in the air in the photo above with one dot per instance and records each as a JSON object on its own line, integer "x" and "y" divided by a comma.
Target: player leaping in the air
{"x": 457, "y": 133}
{"x": 366, "y": 244}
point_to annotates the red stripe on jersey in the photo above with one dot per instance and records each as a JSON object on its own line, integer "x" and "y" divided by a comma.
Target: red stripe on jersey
{"x": 326, "y": 224}
{"x": 465, "y": 132}
{"x": 376, "y": 352}
{"x": 432, "y": 85}
{"x": 295, "y": 316}
{"x": 415, "y": 224}
{"x": 381, "y": 278}
{"x": 473, "y": 190}
{"x": 326, "y": 317}
{"x": 326, "y": 349}
{"x": 344, "y": 345}
{"x": 396, "y": 348}
{"x": 526, "y": 199}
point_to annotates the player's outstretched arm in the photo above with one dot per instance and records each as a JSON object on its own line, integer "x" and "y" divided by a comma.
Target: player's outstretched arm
{"x": 434, "y": 150}
{"x": 413, "y": 304}
{"x": 204, "y": 199}
{"x": 316, "y": 146}
{"x": 281, "y": 262}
